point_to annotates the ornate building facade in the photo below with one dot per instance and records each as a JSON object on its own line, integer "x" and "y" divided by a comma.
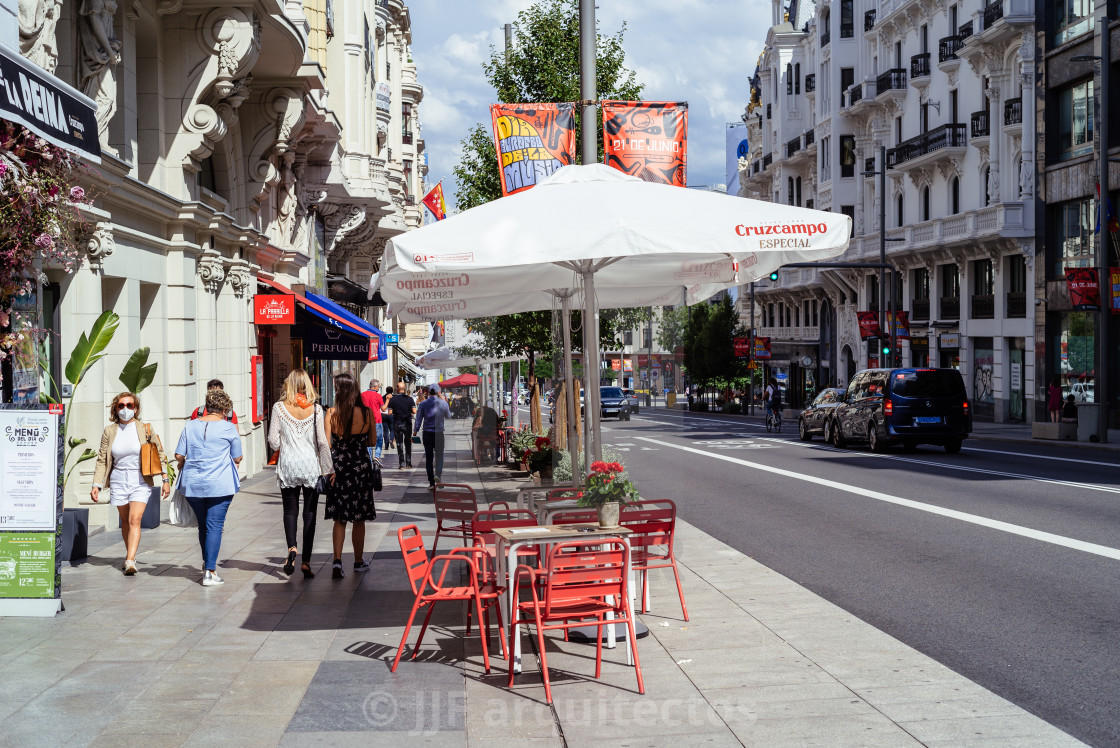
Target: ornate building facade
{"x": 941, "y": 87}
{"x": 245, "y": 144}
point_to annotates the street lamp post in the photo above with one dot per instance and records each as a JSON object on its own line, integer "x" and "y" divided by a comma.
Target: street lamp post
{"x": 1102, "y": 255}
{"x": 881, "y": 172}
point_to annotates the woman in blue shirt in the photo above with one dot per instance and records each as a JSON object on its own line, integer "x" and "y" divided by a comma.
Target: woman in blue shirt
{"x": 209, "y": 451}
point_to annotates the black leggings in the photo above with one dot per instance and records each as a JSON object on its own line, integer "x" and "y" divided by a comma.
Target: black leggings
{"x": 291, "y": 513}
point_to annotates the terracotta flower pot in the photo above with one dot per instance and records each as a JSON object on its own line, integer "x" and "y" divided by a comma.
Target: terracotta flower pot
{"x": 608, "y": 514}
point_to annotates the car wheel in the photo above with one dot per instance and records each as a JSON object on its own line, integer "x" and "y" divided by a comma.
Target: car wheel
{"x": 626, "y": 416}
{"x": 873, "y": 439}
{"x": 909, "y": 445}
{"x": 837, "y": 440}
{"x": 953, "y": 446}
{"x": 803, "y": 431}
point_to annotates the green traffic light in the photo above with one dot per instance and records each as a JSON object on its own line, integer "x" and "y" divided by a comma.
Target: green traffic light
{"x": 886, "y": 350}
{"x": 774, "y": 275}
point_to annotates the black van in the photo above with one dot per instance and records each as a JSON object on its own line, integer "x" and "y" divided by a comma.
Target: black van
{"x": 902, "y": 406}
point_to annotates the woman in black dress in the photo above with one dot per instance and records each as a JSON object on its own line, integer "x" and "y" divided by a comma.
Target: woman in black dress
{"x": 350, "y": 498}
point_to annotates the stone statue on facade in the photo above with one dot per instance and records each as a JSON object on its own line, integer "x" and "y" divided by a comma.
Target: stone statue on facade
{"x": 1026, "y": 178}
{"x": 37, "y": 21}
{"x": 99, "y": 55}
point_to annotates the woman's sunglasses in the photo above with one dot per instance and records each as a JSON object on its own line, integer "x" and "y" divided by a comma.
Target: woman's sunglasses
{"x": 122, "y": 406}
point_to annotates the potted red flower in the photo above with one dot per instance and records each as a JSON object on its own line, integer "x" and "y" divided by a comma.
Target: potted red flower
{"x": 608, "y": 488}
{"x": 541, "y": 457}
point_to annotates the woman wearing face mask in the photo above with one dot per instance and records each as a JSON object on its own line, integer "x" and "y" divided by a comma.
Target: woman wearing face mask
{"x": 118, "y": 461}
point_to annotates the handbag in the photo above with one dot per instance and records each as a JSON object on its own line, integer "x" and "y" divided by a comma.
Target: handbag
{"x": 323, "y": 484}
{"x": 149, "y": 455}
{"x": 180, "y": 513}
{"x": 377, "y": 484}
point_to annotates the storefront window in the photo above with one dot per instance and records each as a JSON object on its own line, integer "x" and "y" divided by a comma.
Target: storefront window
{"x": 1076, "y": 351}
{"x": 983, "y": 388}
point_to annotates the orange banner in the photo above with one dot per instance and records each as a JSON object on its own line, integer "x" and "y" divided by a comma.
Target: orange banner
{"x": 647, "y": 139}
{"x": 532, "y": 141}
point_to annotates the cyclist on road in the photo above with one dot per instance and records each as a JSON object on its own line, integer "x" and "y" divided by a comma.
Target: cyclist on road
{"x": 773, "y": 401}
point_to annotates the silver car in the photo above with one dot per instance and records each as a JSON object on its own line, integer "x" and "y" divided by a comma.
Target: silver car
{"x": 632, "y": 397}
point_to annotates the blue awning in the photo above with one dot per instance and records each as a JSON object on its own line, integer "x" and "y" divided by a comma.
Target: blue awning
{"x": 350, "y": 317}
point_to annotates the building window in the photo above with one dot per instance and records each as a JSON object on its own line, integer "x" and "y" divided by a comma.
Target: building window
{"x": 797, "y": 78}
{"x": 873, "y": 292}
{"x": 797, "y": 189}
{"x": 628, "y": 337}
{"x": 847, "y": 155}
{"x": 647, "y": 338}
{"x": 925, "y": 203}
{"x": 825, "y": 156}
{"x": 1071, "y": 18}
{"x": 789, "y": 79}
{"x": 987, "y": 181}
{"x": 816, "y": 310}
{"x": 983, "y": 281}
{"x": 790, "y": 191}
{"x": 1075, "y": 120}
{"x": 797, "y": 316}
{"x": 847, "y": 79}
{"x": 954, "y": 196}
{"x": 950, "y": 281}
{"x": 771, "y": 314}
{"x": 850, "y": 212}
{"x": 1016, "y": 274}
{"x": 921, "y": 284}
{"x": 1073, "y": 224}
{"x": 848, "y": 20}
{"x": 897, "y": 130}
{"x": 407, "y": 164}
{"x": 900, "y": 209}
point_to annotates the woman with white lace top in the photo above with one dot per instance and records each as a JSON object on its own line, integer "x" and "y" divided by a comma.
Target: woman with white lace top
{"x": 297, "y": 430}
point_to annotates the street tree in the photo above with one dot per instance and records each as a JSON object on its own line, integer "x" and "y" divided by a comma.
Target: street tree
{"x": 541, "y": 65}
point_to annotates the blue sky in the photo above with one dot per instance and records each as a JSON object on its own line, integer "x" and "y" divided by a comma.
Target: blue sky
{"x": 700, "y": 51}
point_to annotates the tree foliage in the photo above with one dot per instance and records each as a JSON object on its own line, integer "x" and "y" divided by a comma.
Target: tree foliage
{"x": 542, "y": 65}
{"x": 707, "y": 341}
{"x": 670, "y": 333}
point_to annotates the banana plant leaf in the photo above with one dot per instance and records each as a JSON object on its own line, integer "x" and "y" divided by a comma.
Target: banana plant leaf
{"x": 91, "y": 349}
{"x": 136, "y": 375}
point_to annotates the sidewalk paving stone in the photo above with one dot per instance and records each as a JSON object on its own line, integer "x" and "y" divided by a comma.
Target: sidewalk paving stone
{"x": 269, "y": 660}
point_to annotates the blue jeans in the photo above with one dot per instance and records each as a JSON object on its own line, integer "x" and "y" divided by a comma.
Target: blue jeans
{"x": 380, "y": 440}
{"x": 211, "y": 514}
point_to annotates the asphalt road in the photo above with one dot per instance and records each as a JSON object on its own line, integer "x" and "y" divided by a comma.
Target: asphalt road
{"x": 1002, "y": 562}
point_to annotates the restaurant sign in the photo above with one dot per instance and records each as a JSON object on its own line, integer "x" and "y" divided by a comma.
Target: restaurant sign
{"x": 274, "y": 309}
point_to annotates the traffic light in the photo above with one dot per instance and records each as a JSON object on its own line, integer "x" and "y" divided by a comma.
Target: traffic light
{"x": 886, "y": 349}
{"x": 774, "y": 275}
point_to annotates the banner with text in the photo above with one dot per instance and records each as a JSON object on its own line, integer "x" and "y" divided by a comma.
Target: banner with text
{"x": 1084, "y": 289}
{"x": 902, "y": 325}
{"x": 742, "y": 348}
{"x": 761, "y": 348}
{"x": 1114, "y": 290}
{"x": 647, "y": 139}
{"x": 868, "y": 325}
{"x": 532, "y": 141}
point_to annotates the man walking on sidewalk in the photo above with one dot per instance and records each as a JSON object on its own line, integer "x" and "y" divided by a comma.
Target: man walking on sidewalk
{"x": 373, "y": 401}
{"x": 431, "y": 415}
{"x": 402, "y": 407}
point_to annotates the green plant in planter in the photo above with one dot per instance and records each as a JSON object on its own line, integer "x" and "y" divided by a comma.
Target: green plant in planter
{"x": 523, "y": 442}
{"x": 608, "y": 482}
{"x": 542, "y": 455}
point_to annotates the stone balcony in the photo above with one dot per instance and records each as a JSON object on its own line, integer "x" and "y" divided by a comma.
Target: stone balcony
{"x": 410, "y": 89}
{"x": 1008, "y": 220}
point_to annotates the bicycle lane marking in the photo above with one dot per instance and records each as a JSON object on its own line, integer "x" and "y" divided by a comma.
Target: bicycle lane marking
{"x": 1026, "y": 532}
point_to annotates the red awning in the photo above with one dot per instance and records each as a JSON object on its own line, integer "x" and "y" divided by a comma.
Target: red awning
{"x": 345, "y": 323}
{"x": 463, "y": 380}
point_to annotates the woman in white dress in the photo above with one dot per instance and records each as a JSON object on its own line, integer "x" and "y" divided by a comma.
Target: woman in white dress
{"x": 305, "y": 454}
{"x": 118, "y": 463}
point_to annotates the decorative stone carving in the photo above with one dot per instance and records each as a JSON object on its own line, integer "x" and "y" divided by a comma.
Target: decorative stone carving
{"x": 168, "y": 7}
{"x": 99, "y": 52}
{"x": 37, "y": 21}
{"x": 233, "y": 38}
{"x": 1026, "y": 248}
{"x": 1026, "y": 177}
{"x": 211, "y": 270}
{"x": 101, "y": 242}
{"x": 239, "y": 277}
{"x": 993, "y": 183}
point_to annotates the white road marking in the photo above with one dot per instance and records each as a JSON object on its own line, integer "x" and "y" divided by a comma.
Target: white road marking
{"x": 1041, "y": 457}
{"x": 1026, "y": 532}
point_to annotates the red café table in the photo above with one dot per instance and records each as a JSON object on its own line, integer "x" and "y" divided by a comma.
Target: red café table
{"x": 512, "y": 539}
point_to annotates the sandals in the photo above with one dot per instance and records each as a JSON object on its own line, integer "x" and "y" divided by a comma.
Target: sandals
{"x": 129, "y": 567}
{"x": 290, "y": 564}
{"x": 307, "y": 573}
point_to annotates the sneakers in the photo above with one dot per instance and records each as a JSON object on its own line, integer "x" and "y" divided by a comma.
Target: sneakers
{"x": 336, "y": 569}
{"x": 410, "y": 464}
{"x": 361, "y": 567}
{"x": 129, "y": 567}
{"x": 210, "y": 579}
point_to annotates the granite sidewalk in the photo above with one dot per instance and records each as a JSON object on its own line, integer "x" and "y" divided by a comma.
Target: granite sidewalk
{"x": 269, "y": 660}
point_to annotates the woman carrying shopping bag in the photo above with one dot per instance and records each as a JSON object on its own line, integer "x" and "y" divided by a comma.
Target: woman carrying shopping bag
{"x": 208, "y": 453}
{"x": 297, "y": 430}
{"x": 350, "y": 497}
{"x": 130, "y": 457}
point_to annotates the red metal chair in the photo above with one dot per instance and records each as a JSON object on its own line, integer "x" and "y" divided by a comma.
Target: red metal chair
{"x": 574, "y": 516}
{"x": 578, "y": 586}
{"x": 455, "y": 506}
{"x": 486, "y": 521}
{"x": 653, "y": 525}
{"x": 429, "y": 591}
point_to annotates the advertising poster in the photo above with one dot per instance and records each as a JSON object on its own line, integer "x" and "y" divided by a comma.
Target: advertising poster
{"x": 627, "y": 365}
{"x": 742, "y": 348}
{"x": 30, "y": 510}
{"x": 902, "y": 325}
{"x": 737, "y": 148}
{"x": 647, "y": 139}
{"x": 616, "y": 364}
{"x": 868, "y": 325}
{"x": 274, "y": 309}
{"x": 1084, "y": 289}
{"x": 532, "y": 141}
{"x": 761, "y": 348}
{"x": 1114, "y": 290}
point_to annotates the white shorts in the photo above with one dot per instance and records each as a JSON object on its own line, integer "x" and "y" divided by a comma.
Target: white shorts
{"x": 123, "y": 495}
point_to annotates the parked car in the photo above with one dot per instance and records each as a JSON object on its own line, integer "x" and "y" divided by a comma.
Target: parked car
{"x": 612, "y": 404}
{"x": 632, "y": 397}
{"x": 812, "y": 419}
{"x": 902, "y": 406}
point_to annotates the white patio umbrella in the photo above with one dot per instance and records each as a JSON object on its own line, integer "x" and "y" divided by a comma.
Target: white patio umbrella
{"x": 449, "y": 358}
{"x": 622, "y": 241}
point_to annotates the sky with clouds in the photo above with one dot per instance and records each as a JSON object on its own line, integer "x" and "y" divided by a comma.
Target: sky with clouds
{"x": 699, "y": 51}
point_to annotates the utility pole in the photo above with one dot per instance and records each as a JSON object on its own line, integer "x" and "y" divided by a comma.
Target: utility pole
{"x": 649, "y": 358}
{"x": 1103, "y": 351}
{"x": 881, "y": 172}
{"x": 509, "y": 38}
{"x": 590, "y": 154}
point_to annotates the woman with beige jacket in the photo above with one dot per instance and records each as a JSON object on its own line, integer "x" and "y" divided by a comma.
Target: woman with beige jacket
{"x": 118, "y": 463}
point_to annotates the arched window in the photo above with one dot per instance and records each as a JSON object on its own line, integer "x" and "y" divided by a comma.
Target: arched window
{"x": 797, "y": 78}
{"x": 954, "y": 195}
{"x": 925, "y": 203}
{"x": 901, "y": 213}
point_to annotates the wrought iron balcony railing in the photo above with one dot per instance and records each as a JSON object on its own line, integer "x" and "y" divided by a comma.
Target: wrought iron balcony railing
{"x": 1017, "y": 304}
{"x": 950, "y": 307}
{"x": 983, "y": 306}
{"x": 919, "y": 309}
{"x": 919, "y": 66}
{"x": 965, "y": 30}
{"x": 892, "y": 80}
{"x": 948, "y": 47}
{"x": 945, "y": 136}
{"x": 981, "y": 124}
{"x": 869, "y": 20}
{"x": 992, "y": 14}
{"x": 810, "y": 83}
{"x": 1013, "y": 111}
{"x": 793, "y": 146}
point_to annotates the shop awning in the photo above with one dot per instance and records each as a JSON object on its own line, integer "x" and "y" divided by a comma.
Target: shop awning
{"x": 47, "y": 106}
{"x": 325, "y": 313}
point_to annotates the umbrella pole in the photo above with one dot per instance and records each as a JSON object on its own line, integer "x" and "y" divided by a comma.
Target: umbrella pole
{"x": 591, "y": 357}
{"x": 569, "y": 389}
